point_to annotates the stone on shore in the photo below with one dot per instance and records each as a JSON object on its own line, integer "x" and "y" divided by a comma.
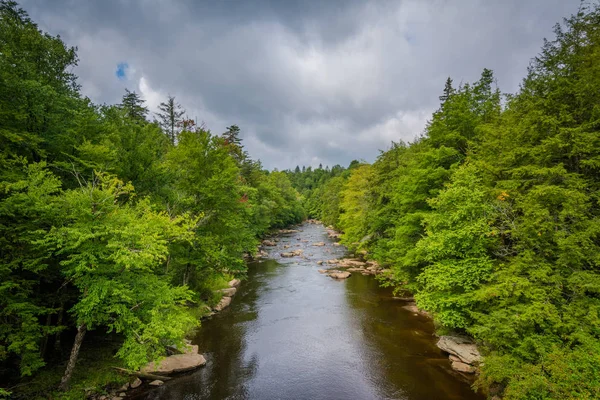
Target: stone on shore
{"x": 174, "y": 364}
{"x": 136, "y": 383}
{"x": 462, "y": 367}
{"x": 460, "y": 347}
{"x": 234, "y": 283}
{"x": 224, "y": 303}
{"x": 268, "y": 243}
{"x": 229, "y": 292}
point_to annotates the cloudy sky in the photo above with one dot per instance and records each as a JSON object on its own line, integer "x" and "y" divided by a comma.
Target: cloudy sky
{"x": 308, "y": 82}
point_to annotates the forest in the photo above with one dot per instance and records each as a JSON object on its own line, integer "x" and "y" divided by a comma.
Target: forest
{"x": 112, "y": 220}
{"x": 118, "y": 222}
{"x": 492, "y": 217}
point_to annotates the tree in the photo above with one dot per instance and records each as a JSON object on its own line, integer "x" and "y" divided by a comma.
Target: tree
{"x": 448, "y": 91}
{"x": 133, "y": 105}
{"x": 112, "y": 251}
{"x": 171, "y": 117}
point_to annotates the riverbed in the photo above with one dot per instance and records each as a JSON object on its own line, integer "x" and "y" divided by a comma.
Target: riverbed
{"x": 292, "y": 333}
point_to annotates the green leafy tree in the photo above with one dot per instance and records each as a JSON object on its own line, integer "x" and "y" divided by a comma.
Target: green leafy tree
{"x": 112, "y": 252}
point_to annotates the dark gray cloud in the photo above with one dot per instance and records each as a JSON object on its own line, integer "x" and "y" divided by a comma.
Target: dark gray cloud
{"x": 308, "y": 82}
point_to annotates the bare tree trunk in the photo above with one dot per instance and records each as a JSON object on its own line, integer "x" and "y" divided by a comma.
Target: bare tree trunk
{"x": 58, "y": 324}
{"x": 64, "y": 382}
{"x": 44, "y": 345}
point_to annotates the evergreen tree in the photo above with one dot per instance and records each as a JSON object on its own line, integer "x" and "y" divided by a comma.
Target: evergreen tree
{"x": 448, "y": 91}
{"x": 133, "y": 106}
{"x": 171, "y": 117}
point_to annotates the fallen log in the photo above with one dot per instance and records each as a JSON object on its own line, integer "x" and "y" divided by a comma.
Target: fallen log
{"x": 142, "y": 374}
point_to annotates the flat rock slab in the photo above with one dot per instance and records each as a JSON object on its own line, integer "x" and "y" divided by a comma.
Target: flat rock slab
{"x": 225, "y": 302}
{"x": 340, "y": 275}
{"x": 229, "y": 291}
{"x": 462, "y": 367}
{"x": 460, "y": 347}
{"x": 174, "y": 364}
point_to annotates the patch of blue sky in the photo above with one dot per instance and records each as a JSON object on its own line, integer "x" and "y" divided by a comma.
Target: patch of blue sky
{"x": 121, "y": 72}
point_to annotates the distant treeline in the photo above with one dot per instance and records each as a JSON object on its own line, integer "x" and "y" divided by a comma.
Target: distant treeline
{"x": 492, "y": 217}
{"x": 108, "y": 221}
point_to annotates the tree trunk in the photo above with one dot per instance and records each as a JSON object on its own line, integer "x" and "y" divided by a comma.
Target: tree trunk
{"x": 44, "y": 345}
{"x": 57, "y": 344}
{"x": 64, "y": 382}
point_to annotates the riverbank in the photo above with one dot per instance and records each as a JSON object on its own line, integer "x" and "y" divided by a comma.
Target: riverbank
{"x": 291, "y": 332}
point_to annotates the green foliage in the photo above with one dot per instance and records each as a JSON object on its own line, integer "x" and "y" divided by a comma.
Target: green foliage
{"x": 492, "y": 218}
{"x": 79, "y": 248}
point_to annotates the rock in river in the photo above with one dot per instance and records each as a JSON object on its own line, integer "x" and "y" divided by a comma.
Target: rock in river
{"x": 340, "y": 275}
{"x": 268, "y": 243}
{"x": 292, "y": 253}
{"x": 176, "y": 363}
{"x": 460, "y": 347}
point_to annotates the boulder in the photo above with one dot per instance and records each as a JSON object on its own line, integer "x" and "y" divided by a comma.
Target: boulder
{"x": 320, "y": 262}
{"x": 340, "y": 275}
{"x": 284, "y": 231}
{"x": 357, "y": 269}
{"x": 234, "y": 283}
{"x": 323, "y": 271}
{"x": 229, "y": 291}
{"x": 462, "y": 367}
{"x": 225, "y": 302}
{"x": 460, "y": 347}
{"x": 286, "y": 246}
{"x": 351, "y": 263}
{"x": 191, "y": 349}
{"x": 174, "y": 364}
{"x": 319, "y": 244}
{"x": 268, "y": 243}
{"x": 156, "y": 383}
{"x": 136, "y": 383}
{"x": 290, "y": 254}
{"x": 412, "y": 308}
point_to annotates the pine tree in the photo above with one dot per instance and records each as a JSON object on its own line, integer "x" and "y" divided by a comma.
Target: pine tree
{"x": 448, "y": 91}
{"x": 133, "y": 105}
{"x": 171, "y": 117}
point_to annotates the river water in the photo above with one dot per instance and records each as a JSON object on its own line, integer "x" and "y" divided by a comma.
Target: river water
{"x": 292, "y": 333}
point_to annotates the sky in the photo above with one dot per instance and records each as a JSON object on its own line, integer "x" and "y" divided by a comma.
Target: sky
{"x": 308, "y": 82}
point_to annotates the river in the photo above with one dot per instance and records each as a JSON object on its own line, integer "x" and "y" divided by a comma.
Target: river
{"x": 292, "y": 333}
